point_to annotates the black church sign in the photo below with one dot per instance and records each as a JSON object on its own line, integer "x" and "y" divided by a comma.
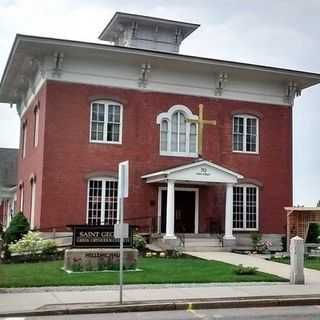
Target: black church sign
{"x": 98, "y": 236}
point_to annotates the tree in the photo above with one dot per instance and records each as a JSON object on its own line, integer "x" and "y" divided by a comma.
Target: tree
{"x": 318, "y": 204}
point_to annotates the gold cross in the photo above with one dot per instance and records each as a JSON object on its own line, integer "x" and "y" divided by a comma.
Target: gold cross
{"x": 201, "y": 122}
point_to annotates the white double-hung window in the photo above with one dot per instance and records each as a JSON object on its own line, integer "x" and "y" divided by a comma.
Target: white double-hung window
{"x": 245, "y": 207}
{"x": 106, "y": 122}
{"x": 178, "y": 132}
{"x": 245, "y": 134}
{"x": 102, "y": 201}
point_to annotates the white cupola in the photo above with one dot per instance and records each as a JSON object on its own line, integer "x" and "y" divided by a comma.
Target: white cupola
{"x": 136, "y": 31}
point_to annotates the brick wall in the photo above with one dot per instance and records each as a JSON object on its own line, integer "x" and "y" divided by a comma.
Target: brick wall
{"x": 32, "y": 164}
{"x": 68, "y": 156}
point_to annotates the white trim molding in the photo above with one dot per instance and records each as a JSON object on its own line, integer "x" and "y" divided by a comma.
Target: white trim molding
{"x": 117, "y": 67}
{"x": 199, "y": 172}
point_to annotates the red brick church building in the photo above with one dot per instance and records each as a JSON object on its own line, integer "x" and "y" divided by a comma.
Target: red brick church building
{"x": 85, "y": 107}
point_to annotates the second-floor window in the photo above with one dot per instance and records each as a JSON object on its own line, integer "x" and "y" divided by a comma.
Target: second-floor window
{"x": 106, "y": 122}
{"x": 178, "y": 134}
{"x": 245, "y": 134}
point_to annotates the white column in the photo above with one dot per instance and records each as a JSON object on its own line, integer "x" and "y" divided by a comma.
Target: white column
{"x": 228, "y": 213}
{"x": 170, "y": 211}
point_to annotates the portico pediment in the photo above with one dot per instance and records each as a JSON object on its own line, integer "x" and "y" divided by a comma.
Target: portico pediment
{"x": 198, "y": 172}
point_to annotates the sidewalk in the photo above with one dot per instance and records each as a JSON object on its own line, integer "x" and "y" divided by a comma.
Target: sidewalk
{"x": 276, "y": 268}
{"x": 46, "y": 298}
{"x": 65, "y": 299}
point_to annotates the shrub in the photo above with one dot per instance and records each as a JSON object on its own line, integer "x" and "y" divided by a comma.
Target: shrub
{"x": 18, "y": 226}
{"x": 255, "y": 238}
{"x": 49, "y": 247}
{"x": 139, "y": 242}
{"x": 33, "y": 244}
{"x": 241, "y": 270}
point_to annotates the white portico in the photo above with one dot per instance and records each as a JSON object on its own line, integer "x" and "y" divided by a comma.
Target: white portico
{"x": 198, "y": 173}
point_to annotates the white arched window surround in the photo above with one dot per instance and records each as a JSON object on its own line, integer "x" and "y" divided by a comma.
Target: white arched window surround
{"x": 105, "y": 122}
{"x": 164, "y": 119}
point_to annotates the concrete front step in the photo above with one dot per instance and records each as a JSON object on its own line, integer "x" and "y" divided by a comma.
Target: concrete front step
{"x": 203, "y": 249}
{"x": 198, "y": 236}
{"x": 202, "y": 245}
{"x": 190, "y": 242}
{"x": 202, "y": 241}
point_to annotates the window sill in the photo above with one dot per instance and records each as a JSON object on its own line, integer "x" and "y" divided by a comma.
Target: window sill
{"x": 104, "y": 142}
{"x": 246, "y": 230}
{"x": 246, "y": 152}
{"x": 179, "y": 154}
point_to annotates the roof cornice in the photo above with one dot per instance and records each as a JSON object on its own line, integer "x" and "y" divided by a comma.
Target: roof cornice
{"x": 159, "y": 54}
{"x": 145, "y": 18}
{"x": 11, "y": 54}
{"x": 26, "y": 44}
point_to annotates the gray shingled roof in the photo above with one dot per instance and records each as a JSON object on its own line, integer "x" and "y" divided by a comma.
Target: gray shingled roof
{"x": 8, "y": 167}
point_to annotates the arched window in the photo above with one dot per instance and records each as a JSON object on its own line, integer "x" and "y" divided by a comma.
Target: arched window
{"x": 178, "y": 134}
{"x": 106, "y": 122}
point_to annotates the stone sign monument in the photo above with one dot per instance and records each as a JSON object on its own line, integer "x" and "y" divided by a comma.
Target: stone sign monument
{"x": 94, "y": 248}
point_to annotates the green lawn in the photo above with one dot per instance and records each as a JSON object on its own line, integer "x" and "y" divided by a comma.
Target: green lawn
{"x": 311, "y": 262}
{"x": 154, "y": 270}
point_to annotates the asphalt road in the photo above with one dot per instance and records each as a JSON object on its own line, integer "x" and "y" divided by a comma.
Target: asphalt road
{"x": 275, "y": 313}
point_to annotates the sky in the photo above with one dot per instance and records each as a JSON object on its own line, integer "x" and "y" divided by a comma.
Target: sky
{"x": 281, "y": 33}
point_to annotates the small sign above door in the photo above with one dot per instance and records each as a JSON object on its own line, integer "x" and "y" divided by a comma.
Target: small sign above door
{"x": 203, "y": 172}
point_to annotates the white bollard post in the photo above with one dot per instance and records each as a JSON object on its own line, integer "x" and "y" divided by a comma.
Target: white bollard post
{"x": 297, "y": 260}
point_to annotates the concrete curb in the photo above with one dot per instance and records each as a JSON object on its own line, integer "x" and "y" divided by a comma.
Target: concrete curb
{"x": 187, "y": 304}
{"x": 138, "y": 286}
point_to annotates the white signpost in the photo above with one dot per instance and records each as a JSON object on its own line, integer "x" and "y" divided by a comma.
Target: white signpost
{"x": 121, "y": 230}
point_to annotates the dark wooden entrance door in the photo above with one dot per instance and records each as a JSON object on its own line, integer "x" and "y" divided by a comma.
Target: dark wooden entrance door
{"x": 184, "y": 211}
